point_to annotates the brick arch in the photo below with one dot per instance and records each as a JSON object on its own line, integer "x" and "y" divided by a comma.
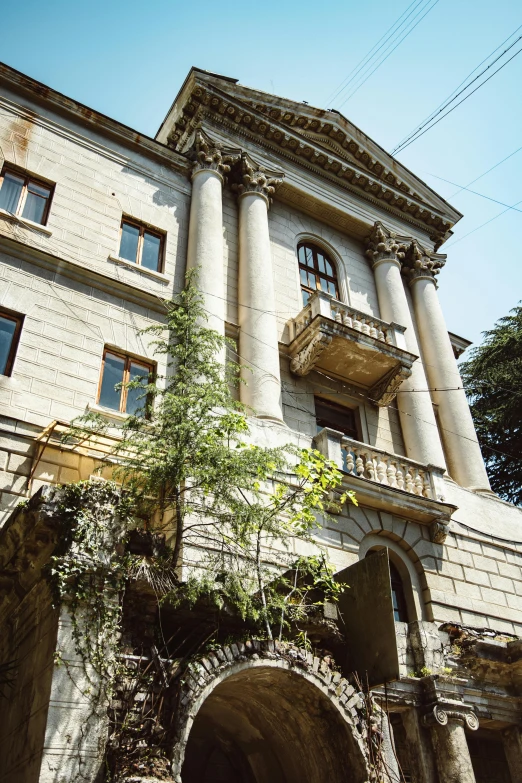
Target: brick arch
{"x": 232, "y": 673}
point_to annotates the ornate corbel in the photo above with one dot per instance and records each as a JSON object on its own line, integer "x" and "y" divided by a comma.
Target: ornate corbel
{"x": 384, "y": 245}
{"x": 418, "y": 262}
{"x": 442, "y": 714}
{"x": 251, "y": 177}
{"x": 307, "y": 357}
{"x": 438, "y": 532}
{"x": 208, "y": 154}
{"x": 384, "y": 392}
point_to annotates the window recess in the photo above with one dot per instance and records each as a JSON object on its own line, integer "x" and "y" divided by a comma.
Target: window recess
{"x": 120, "y": 368}
{"x": 10, "y": 328}
{"x": 24, "y": 196}
{"x": 141, "y": 245}
{"x": 337, "y": 417}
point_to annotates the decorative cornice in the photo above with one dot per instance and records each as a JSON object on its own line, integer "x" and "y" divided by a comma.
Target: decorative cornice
{"x": 208, "y": 155}
{"x": 446, "y": 712}
{"x": 251, "y": 177}
{"x": 346, "y": 162}
{"x": 418, "y": 262}
{"x": 385, "y": 245}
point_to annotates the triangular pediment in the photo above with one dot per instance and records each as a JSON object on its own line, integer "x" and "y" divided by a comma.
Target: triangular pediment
{"x": 319, "y": 139}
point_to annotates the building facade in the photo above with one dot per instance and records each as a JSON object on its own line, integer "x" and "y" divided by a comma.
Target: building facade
{"x": 318, "y": 253}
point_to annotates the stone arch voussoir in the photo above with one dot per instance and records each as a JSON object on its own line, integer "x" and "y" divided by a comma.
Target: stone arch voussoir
{"x": 206, "y": 673}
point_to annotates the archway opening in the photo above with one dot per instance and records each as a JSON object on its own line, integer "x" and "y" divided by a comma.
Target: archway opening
{"x": 270, "y": 725}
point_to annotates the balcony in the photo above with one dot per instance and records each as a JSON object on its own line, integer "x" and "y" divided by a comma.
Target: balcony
{"x": 333, "y": 337}
{"x": 388, "y": 481}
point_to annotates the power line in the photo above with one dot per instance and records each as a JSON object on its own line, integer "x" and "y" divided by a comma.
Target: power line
{"x": 381, "y": 62}
{"x": 475, "y": 192}
{"x": 486, "y": 222}
{"x": 461, "y": 187}
{"x": 430, "y": 122}
{"x": 374, "y": 51}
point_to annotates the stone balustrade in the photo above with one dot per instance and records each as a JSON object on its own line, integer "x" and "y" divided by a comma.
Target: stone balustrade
{"x": 325, "y": 305}
{"x": 389, "y": 470}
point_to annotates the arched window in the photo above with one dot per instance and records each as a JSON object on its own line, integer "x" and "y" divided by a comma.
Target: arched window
{"x": 400, "y": 608}
{"x": 316, "y": 270}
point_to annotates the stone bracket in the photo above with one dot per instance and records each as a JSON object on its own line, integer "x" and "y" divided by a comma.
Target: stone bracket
{"x": 306, "y": 359}
{"x": 384, "y": 392}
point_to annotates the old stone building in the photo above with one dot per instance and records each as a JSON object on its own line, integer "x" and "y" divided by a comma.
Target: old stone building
{"x": 318, "y": 254}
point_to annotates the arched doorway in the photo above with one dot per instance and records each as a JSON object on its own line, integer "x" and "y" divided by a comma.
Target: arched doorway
{"x": 266, "y": 722}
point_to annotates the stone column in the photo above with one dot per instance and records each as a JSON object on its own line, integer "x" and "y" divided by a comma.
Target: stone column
{"x": 512, "y": 739}
{"x": 464, "y": 459}
{"x": 205, "y": 240}
{"x": 420, "y": 754}
{"x": 258, "y": 337}
{"x": 419, "y": 427}
{"x": 449, "y": 741}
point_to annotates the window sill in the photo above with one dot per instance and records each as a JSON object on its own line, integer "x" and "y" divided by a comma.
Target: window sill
{"x": 137, "y": 268}
{"x": 26, "y": 223}
{"x": 109, "y": 413}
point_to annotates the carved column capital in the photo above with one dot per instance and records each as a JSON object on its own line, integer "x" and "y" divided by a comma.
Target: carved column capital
{"x": 209, "y": 155}
{"x": 444, "y": 713}
{"x": 253, "y": 178}
{"x": 384, "y": 245}
{"x": 418, "y": 262}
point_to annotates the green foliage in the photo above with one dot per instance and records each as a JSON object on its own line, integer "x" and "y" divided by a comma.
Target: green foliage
{"x": 231, "y": 509}
{"x": 88, "y": 572}
{"x": 493, "y": 380}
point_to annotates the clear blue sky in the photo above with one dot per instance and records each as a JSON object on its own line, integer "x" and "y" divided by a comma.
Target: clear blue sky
{"x": 128, "y": 60}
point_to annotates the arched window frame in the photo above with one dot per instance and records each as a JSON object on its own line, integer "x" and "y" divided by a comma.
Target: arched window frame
{"x": 321, "y": 265}
{"x": 415, "y": 605}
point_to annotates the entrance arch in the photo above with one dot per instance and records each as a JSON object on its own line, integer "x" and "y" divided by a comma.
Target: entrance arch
{"x": 260, "y": 718}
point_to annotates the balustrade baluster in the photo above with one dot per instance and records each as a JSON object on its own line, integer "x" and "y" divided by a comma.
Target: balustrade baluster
{"x": 419, "y": 484}
{"x": 360, "y": 466}
{"x": 365, "y": 328}
{"x": 373, "y": 331}
{"x": 409, "y": 480}
{"x": 427, "y": 485}
{"x": 392, "y": 474}
{"x": 381, "y": 471}
{"x": 399, "y": 476}
{"x": 350, "y": 464}
{"x": 382, "y": 336}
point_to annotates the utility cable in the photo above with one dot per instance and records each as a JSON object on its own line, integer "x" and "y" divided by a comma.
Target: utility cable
{"x": 381, "y": 62}
{"x": 453, "y": 94}
{"x": 486, "y": 222}
{"x": 475, "y": 192}
{"x": 462, "y": 187}
{"x": 372, "y": 53}
{"x": 434, "y": 119}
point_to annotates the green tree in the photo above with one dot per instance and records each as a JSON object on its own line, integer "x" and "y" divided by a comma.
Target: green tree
{"x": 493, "y": 380}
{"x": 186, "y": 459}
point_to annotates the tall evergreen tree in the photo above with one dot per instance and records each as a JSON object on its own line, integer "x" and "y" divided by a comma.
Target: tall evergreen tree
{"x": 493, "y": 380}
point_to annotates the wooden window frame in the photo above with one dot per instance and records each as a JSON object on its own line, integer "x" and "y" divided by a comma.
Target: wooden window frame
{"x": 19, "y": 320}
{"x": 7, "y": 169}
{"x": 128, "y": 359}
{"x": 315, "y": 269}
{"x": 144, "y": 228}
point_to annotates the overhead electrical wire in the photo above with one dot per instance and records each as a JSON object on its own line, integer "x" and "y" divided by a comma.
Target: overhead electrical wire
{"x": 406, "y": 32}
{"x": 463, "y": 187}
{"x": 374, "y": 50}
{"x": 440, "y": 113}
{"x": 474, "y": 192}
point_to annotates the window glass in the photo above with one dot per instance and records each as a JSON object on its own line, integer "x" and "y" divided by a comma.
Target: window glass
{"x": 150, "y": 255}
{"x": 113, "y": 370}
{"x": 10, "y": 192}
{"x": 35, "y": 202}
{"x": 7, "y": 332}
{"x": 129, "y": 242}
{"x": 316, "y": 272}
{"x": 135, "y": 398}
{"x": 398, "y": 599}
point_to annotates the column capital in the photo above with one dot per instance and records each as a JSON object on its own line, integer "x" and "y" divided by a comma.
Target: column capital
{"x": 253, "y": 178}
{"x": 445, "y": 712}
{"x": 419, "y": 263}
{"x": 209, "y": 155}
{"x": 384, "y": 245}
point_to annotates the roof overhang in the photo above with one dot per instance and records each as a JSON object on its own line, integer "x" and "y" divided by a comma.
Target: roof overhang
{"x": 321, "y": 141}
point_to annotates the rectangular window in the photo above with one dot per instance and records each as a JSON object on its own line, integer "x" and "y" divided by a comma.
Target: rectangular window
{"x": 336, "y": 417}
{"x": 120, "y": 368}
{"x": 10, "y": 328}
{"x": 24, "y": 196}
{"x": 141, "y": 245}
